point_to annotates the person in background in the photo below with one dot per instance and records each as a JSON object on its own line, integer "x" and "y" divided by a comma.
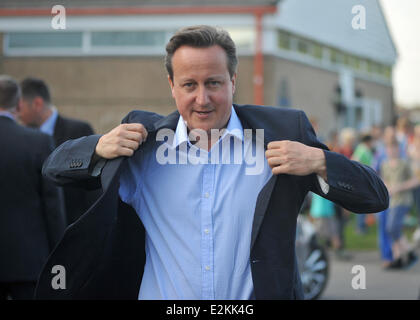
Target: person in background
{"x": 32, "y": 218}
{"x": 414, "y": 154}
{"x": 403, "y": 132}
{"x": 376, "y": 132}
{"x": 363, "y": 154}
{"x": 396, "y": 173}
{"x": 347, "y": 140}
{"x": 323, "y": 213}
{"x": 341, "y": 215}
{"x": 384, "y": 241}
{"x": 36, "y": 110}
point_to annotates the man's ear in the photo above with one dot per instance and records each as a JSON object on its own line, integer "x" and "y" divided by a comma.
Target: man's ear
{"x": 171, "y": 84}
{"x": 233, "y": 83}
{"x": 38, "y": 103}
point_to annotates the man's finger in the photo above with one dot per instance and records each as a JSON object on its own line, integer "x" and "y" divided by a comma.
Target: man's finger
{"x": 272, "y": 153}
{"x": 130, "y": 144}
{"x": 138, "y": 127}
{"x": 127, "y": 152}
{"x": 133, "y": 135}
{"x": 280, "y": 169}
{"x": 276, "y": 144}
{"x": 275, "y": 161}
{"x": 144, "y": 133}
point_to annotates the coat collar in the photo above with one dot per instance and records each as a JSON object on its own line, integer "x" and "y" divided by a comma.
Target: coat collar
{"x": 247, "y": 118}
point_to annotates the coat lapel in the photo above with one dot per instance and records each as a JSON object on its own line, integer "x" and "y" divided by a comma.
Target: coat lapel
{"x": 249, "y": 122}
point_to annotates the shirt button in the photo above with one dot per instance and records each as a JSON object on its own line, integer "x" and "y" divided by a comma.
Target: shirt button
{"x": 206, "y": 195}
{"x": 206, "y": 231}
{"x": 207, "y": 268}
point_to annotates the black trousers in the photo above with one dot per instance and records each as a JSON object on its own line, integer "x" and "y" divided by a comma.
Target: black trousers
{"x": 17, "y": 290}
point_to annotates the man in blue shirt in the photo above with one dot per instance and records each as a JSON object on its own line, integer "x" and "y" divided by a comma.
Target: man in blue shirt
{"x": 217, "y": 188}
{"x": 197, "y": 240}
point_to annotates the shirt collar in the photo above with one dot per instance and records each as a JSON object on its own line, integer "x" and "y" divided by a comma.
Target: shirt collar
{"x": 7, "y": 114}
{"x": 49, "y": 124}
{"x": 234, "y": 128}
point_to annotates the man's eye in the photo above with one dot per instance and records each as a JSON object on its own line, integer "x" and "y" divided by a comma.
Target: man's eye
{"x": 188, "y": 85}
{"x": 214, "y": 83}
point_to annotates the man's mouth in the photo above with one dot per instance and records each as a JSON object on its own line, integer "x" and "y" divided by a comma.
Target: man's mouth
{"x": 203, "y": 113}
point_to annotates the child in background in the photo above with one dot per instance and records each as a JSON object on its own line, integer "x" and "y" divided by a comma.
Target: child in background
{"x": 364, "y": 154}
{"x": 396, "y": 172}
{"x": 323, "y": 211}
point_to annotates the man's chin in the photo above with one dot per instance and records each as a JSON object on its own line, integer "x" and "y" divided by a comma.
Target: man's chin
{"x": 201, "y": 124}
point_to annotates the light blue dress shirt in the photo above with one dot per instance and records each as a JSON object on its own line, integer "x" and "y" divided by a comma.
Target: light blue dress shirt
{"x": 49, "y": 124}
{"x": 198, "y": 218}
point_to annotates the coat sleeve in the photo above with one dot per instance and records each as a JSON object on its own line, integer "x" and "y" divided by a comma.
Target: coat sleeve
{"x": 72, "y": 163}
{"x": 352, "y": 185}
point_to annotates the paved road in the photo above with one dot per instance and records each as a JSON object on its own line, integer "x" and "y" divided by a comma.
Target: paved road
{"x": 380, "y": 284}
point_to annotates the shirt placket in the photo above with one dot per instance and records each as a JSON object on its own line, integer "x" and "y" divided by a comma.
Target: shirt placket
{"x": 207, "y": 263}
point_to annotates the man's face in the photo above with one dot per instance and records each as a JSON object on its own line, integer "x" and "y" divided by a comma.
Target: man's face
{"x": 27, "y": 113}
{"x": 202, "y": 87}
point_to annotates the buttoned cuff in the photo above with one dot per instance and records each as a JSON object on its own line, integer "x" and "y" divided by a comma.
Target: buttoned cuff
{"x": 324, "y": 186}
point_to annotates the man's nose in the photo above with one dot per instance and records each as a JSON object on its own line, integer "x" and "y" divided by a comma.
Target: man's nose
{"x": 202, "y": 97}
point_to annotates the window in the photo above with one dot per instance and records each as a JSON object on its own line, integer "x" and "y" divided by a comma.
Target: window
{"x": 303, "y": 46}
{"x": 128, "y": 38}
{"x": 387, "y": 72}
{"x": 324, "y": 54}
{"x": 355, "y": 62}
{"x": 57, "y": 39}
{"x": 244, "y": 38}
{"x": 336, "y": 56}
{"x": 284, "y": 40}
{"x": 317, "y": 51}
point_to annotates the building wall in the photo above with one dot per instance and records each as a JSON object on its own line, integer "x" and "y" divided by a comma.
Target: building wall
{"x": 245, "y": 84}
{"x": 312, "y": 90}
{"x": 385, "y": 94}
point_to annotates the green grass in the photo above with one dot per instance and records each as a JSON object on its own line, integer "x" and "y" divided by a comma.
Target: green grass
{"x": 369, "y": 241}
{"x": 355, "y": 241}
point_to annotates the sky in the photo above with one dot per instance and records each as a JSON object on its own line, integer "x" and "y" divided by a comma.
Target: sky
{"x": 404, "y": 23}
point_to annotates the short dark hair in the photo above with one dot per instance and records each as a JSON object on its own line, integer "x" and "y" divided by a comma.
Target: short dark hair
{"x": 34, "y": 87}
{"x": 366, "y": 138}
{"x": 9, "y": 92}
{"x": 202, "y": 37}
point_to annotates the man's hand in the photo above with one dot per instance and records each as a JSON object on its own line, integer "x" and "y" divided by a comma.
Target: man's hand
{"x": 295, "y": 158}
{"x": 121, "y": 141}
